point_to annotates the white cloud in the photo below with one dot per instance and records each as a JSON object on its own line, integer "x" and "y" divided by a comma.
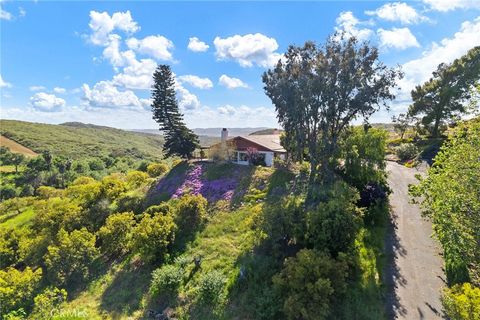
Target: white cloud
{"x": 248, "y": 50}
{"x": 157, "y": 46}
{"x": 447, "y": 5}
{"x": 231, "y": 83}
{"x": 46, "y": 102}
{"x": 5, "y": 15}
{"x": 195, "y": 45}
{"x": 112, "y": 51}
{"x": 37, "y": 88}
{"x": 21, "y": 12}
{"x": 398, "y": 11}
{"x": 59, "y": 90}
{"x": 348, "y": 23}
{"x": 232, "y": 116}
{"x": 399, "y": 38}
{"x": 187, "y": 101}
{"x": 102, "y": 25}
{"x": 104, "y": 94}
{"x": 196, "y": 81}
{"x": 137, "y": 75}
{"x": 4, "y": 84}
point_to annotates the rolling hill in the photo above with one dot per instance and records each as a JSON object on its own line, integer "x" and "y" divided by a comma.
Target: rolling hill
{"x": 77, "y": 140}
{"x": 16, "y": 147}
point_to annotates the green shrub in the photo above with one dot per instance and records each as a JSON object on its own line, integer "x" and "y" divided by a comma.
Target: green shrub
{"x": 211, "y": 287}
{"x": 309, "y": 283}
{"x": 115, "y": 235}
{"x": 96, "y": 164}
{"x": 156, "y": 169}
{"x": 166, "y": 279}
{"x": 364, "y": 154}
{"x": 191, "y": 211}
{"x": 406, "y": 151}
{"x": 131, "y": 201}
{"x": 333, "y": 224}
{"x": 153, "y": 236}
{"x": 47, "y": 302}
{"x": 17, "y": 288}
{"x": 462, "y": 302}
{"x": 70, "y": 258}
{"x": 136, "y": 179}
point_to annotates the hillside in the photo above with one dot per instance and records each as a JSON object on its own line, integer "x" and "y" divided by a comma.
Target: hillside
{"x": 266, "y": 132}
{"x": 76, "y": 140}
{"x": 16, "y": 147}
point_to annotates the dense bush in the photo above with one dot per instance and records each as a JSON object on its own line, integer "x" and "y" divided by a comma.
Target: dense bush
{"x": 153, "y": 236}
{"x": 69, "y": 259}
{"x": 309, "y": 284}
{"x": 167, "y": 279}
{"x": 156, "y": 169}
{"x": 191, "y": 211}
{"x": 283, "y": 222}
{"x": 47, "y": 302}
{"x": 136, "y": 179}
{"x": 211, "y": 287}
{"x": 406, "y": 151}
{"x": 17, "y": 288}
{"x": 451, "y": 198}
{"x": 462, "y": 302}
{"x": 333, "y": 224}
{"x": 372, "y": 193}
{"x": 364, "y": 154}
{"x": 115, "y": 235}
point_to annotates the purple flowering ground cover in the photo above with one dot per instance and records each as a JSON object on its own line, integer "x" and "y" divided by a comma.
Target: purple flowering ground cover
{"x": 195, "y": 181}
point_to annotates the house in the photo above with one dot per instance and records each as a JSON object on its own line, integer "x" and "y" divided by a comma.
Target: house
{"x": 237, "y": 149}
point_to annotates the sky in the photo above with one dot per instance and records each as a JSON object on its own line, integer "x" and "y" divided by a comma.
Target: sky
{"x": 92, "y": 61}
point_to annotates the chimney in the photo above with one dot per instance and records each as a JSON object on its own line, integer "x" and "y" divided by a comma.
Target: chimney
{"x": 224, "y": 135}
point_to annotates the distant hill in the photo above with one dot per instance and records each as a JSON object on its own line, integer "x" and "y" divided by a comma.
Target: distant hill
{"x": 78, "y": 140}
{"x": 266, "y": 132}
{"x": 212, "y": 132}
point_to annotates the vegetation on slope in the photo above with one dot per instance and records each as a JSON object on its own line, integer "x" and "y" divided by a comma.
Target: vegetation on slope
{"x": 77, "y": 142}
{"x": 16, "y": 147}
{"x": 451, "y": 198}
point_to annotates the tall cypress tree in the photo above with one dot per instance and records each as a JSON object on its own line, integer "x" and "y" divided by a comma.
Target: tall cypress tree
{"x": 179, "y": 140}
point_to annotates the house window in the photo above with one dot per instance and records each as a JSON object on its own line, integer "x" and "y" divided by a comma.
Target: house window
{"x": 243, "y": 156}
{"x": 234, "y": 156}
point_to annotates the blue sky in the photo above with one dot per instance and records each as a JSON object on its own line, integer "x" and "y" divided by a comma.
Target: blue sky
{"x": 92, "y": 61}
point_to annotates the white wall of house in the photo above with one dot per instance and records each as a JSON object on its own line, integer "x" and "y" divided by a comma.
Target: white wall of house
{"x": 241, "y": 155}
{"x": 268, "y": 158}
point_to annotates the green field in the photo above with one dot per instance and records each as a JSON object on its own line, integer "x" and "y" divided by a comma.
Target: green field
{"x": 78, "y": 141}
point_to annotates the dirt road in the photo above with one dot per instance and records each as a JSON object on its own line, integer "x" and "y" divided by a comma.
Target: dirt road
{"x": 415, "y": 271}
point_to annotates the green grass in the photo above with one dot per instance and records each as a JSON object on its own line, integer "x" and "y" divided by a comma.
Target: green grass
{"x": 78, "y": 141}
{"x": 365, "y": 296}
{"x": 19, "y": 220}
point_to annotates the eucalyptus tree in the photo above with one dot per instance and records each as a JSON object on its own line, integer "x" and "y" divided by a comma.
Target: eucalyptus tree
{"x": 318, "y": 91}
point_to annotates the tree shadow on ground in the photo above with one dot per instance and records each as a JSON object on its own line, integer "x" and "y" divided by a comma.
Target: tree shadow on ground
{"x": 124, "y": 294}
{"x": 392, "y": 276}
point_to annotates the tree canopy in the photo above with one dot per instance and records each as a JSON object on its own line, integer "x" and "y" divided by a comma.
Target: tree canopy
{"x": 444, "y": 96}
{"x": 318, "y": 91}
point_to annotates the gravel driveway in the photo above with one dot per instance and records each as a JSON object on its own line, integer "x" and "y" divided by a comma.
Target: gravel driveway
{"x": 414, "y": 273}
